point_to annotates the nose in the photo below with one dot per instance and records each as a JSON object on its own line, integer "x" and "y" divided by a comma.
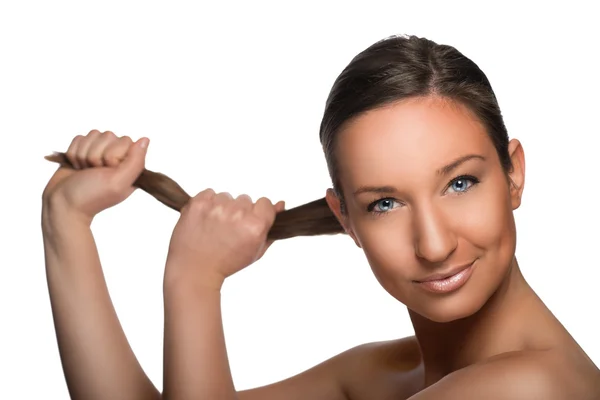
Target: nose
{"x": 434, "y": 240}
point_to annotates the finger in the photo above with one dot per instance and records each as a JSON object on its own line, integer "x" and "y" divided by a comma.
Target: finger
{"x": 116, "y": 151}
{"x": 72, "y": 151}
{"x": 221, "y": 204}
{"x": 280, "y": 206}
{"x": 83, "y": 148}
{"x": 97, "y": 149}
{"x": 265, "y": 210}
{"x": 206, "y": 194}
{"x": 223, "y": 198}
{"x": 244, "y": 202}
{"x": 202, "y": 198}
{"x": 133, "y": 164}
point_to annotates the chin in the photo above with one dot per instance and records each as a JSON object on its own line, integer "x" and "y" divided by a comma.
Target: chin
{"x": 463, "y": 303}
{"x": 448, "y": 310}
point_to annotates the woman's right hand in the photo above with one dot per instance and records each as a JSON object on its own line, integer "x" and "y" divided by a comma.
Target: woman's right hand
{"x": 217, "y": 236}
{"x": 105, "y": 168}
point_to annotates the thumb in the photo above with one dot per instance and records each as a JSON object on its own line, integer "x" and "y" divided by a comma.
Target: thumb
{"x": 133, "y": 164}
{"x": 280, "y": 206}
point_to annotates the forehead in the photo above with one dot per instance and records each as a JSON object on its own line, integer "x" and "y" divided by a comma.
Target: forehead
{"x": 414, "y": 137}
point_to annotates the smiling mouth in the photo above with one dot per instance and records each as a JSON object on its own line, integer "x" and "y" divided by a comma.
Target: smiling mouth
{"x": 447, "y": 281}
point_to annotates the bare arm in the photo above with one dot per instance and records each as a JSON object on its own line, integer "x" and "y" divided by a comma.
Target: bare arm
{"x": 215, "y": 237}
{"x": 195, "y": 358}
{"x": 196, "y": 363}
{"x": 97, "y": 360}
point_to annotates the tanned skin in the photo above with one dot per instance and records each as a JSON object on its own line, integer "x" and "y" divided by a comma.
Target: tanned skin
{"x": 424, "y": 192}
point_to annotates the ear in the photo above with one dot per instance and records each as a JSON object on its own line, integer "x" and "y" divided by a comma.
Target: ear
{"x": 335, "y": 205}
{"x": 517, "y": 174}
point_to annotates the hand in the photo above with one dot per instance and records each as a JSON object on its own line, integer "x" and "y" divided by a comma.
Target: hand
{"x": 105, "y": 167}
{"x": 216, "y": 236}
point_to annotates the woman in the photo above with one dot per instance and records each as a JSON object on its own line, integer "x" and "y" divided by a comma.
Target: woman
{"x": 425, "y": 181}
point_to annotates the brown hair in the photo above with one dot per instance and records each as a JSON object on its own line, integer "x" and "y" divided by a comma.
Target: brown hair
{"x": 403, "y": 67}
{"x": 314, "y": 218}
{"x": 391, "y": 70}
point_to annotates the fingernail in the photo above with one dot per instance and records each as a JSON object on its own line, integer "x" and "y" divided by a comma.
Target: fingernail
{"x": 144, "y": 142}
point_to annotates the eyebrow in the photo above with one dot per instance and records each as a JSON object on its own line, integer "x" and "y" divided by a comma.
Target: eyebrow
{"x": 445, "y": 170}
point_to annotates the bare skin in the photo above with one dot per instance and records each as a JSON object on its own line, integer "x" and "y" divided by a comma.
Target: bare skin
{"x": 97, "y": 360}
{"x": 491, "y": 338}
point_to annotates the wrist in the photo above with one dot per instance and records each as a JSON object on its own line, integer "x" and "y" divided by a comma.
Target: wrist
{"x": 61, "y": 226}
{"x": 180, "y": 277}
{"x": 57, "y": 214}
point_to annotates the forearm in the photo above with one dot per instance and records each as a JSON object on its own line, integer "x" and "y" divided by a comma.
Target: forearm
{"x": 196, "y": 364}
{"x": 97, "y": 360}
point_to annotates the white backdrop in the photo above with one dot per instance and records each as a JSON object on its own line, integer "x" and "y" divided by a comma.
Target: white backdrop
{"x": 231, "y": 97}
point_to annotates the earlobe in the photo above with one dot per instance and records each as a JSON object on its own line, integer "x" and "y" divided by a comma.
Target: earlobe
{"x": 336, "y": 207}
{"x": 517, "y": 174}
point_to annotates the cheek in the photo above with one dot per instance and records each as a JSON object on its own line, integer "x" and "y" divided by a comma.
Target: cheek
{"x": 486, "y": 219}
{"x": 482, "y": 222}
{"x": 388, "y": 248}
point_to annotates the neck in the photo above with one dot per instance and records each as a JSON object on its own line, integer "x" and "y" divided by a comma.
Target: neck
{"x": 496, "y": 328}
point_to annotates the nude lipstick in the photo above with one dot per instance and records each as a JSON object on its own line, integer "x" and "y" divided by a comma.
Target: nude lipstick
{"x": 449, "y": 282}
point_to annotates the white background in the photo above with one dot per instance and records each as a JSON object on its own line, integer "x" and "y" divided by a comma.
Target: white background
{"x": 231, "y": 97}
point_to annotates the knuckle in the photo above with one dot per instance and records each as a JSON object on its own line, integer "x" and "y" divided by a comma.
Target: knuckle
{"x": 217, "y": 211}
{"x": 255, "y": 227}
{"x": 95, "y": 161}
{"x": 238, "y": 214}
{"x": 225, "y": 195}
{"x": 198, "y": 199}
{"x": 198, "y": 203}
{"x": 205, "y": 194}
{"x": 265, "y": 200}
{"x": 110, "y": 160}
{"x": 74, "y": 144}
{"x": 93, "y": 132}
{"x": 77, "y": 138}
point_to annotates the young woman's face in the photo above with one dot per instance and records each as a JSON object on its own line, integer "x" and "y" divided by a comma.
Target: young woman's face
{"x": 426, "y": 194}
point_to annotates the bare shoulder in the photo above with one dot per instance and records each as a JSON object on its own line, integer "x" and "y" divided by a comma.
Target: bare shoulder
{"x": 378, "y": 370}
{"x": 383, "y": 370}
{"x": 549, "y": 374}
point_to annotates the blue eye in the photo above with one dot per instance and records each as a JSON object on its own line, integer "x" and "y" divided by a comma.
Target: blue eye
{"x": 463, "y": 183}
{"x": 381, "y": 206}
{"x": 459, "y": 185}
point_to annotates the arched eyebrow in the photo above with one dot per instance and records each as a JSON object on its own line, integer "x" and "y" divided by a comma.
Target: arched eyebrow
{"x": 445, "y": 170}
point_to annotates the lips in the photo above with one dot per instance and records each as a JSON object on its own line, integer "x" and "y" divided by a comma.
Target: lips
{"x": 443, "y": 275}
{"x": 447, "y": 282}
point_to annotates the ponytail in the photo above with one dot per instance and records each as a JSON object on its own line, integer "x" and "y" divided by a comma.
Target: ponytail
{"x": 310, "y": 219}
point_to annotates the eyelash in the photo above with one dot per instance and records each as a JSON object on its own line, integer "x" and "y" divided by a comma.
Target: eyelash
{"x": 474, "y": 181}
